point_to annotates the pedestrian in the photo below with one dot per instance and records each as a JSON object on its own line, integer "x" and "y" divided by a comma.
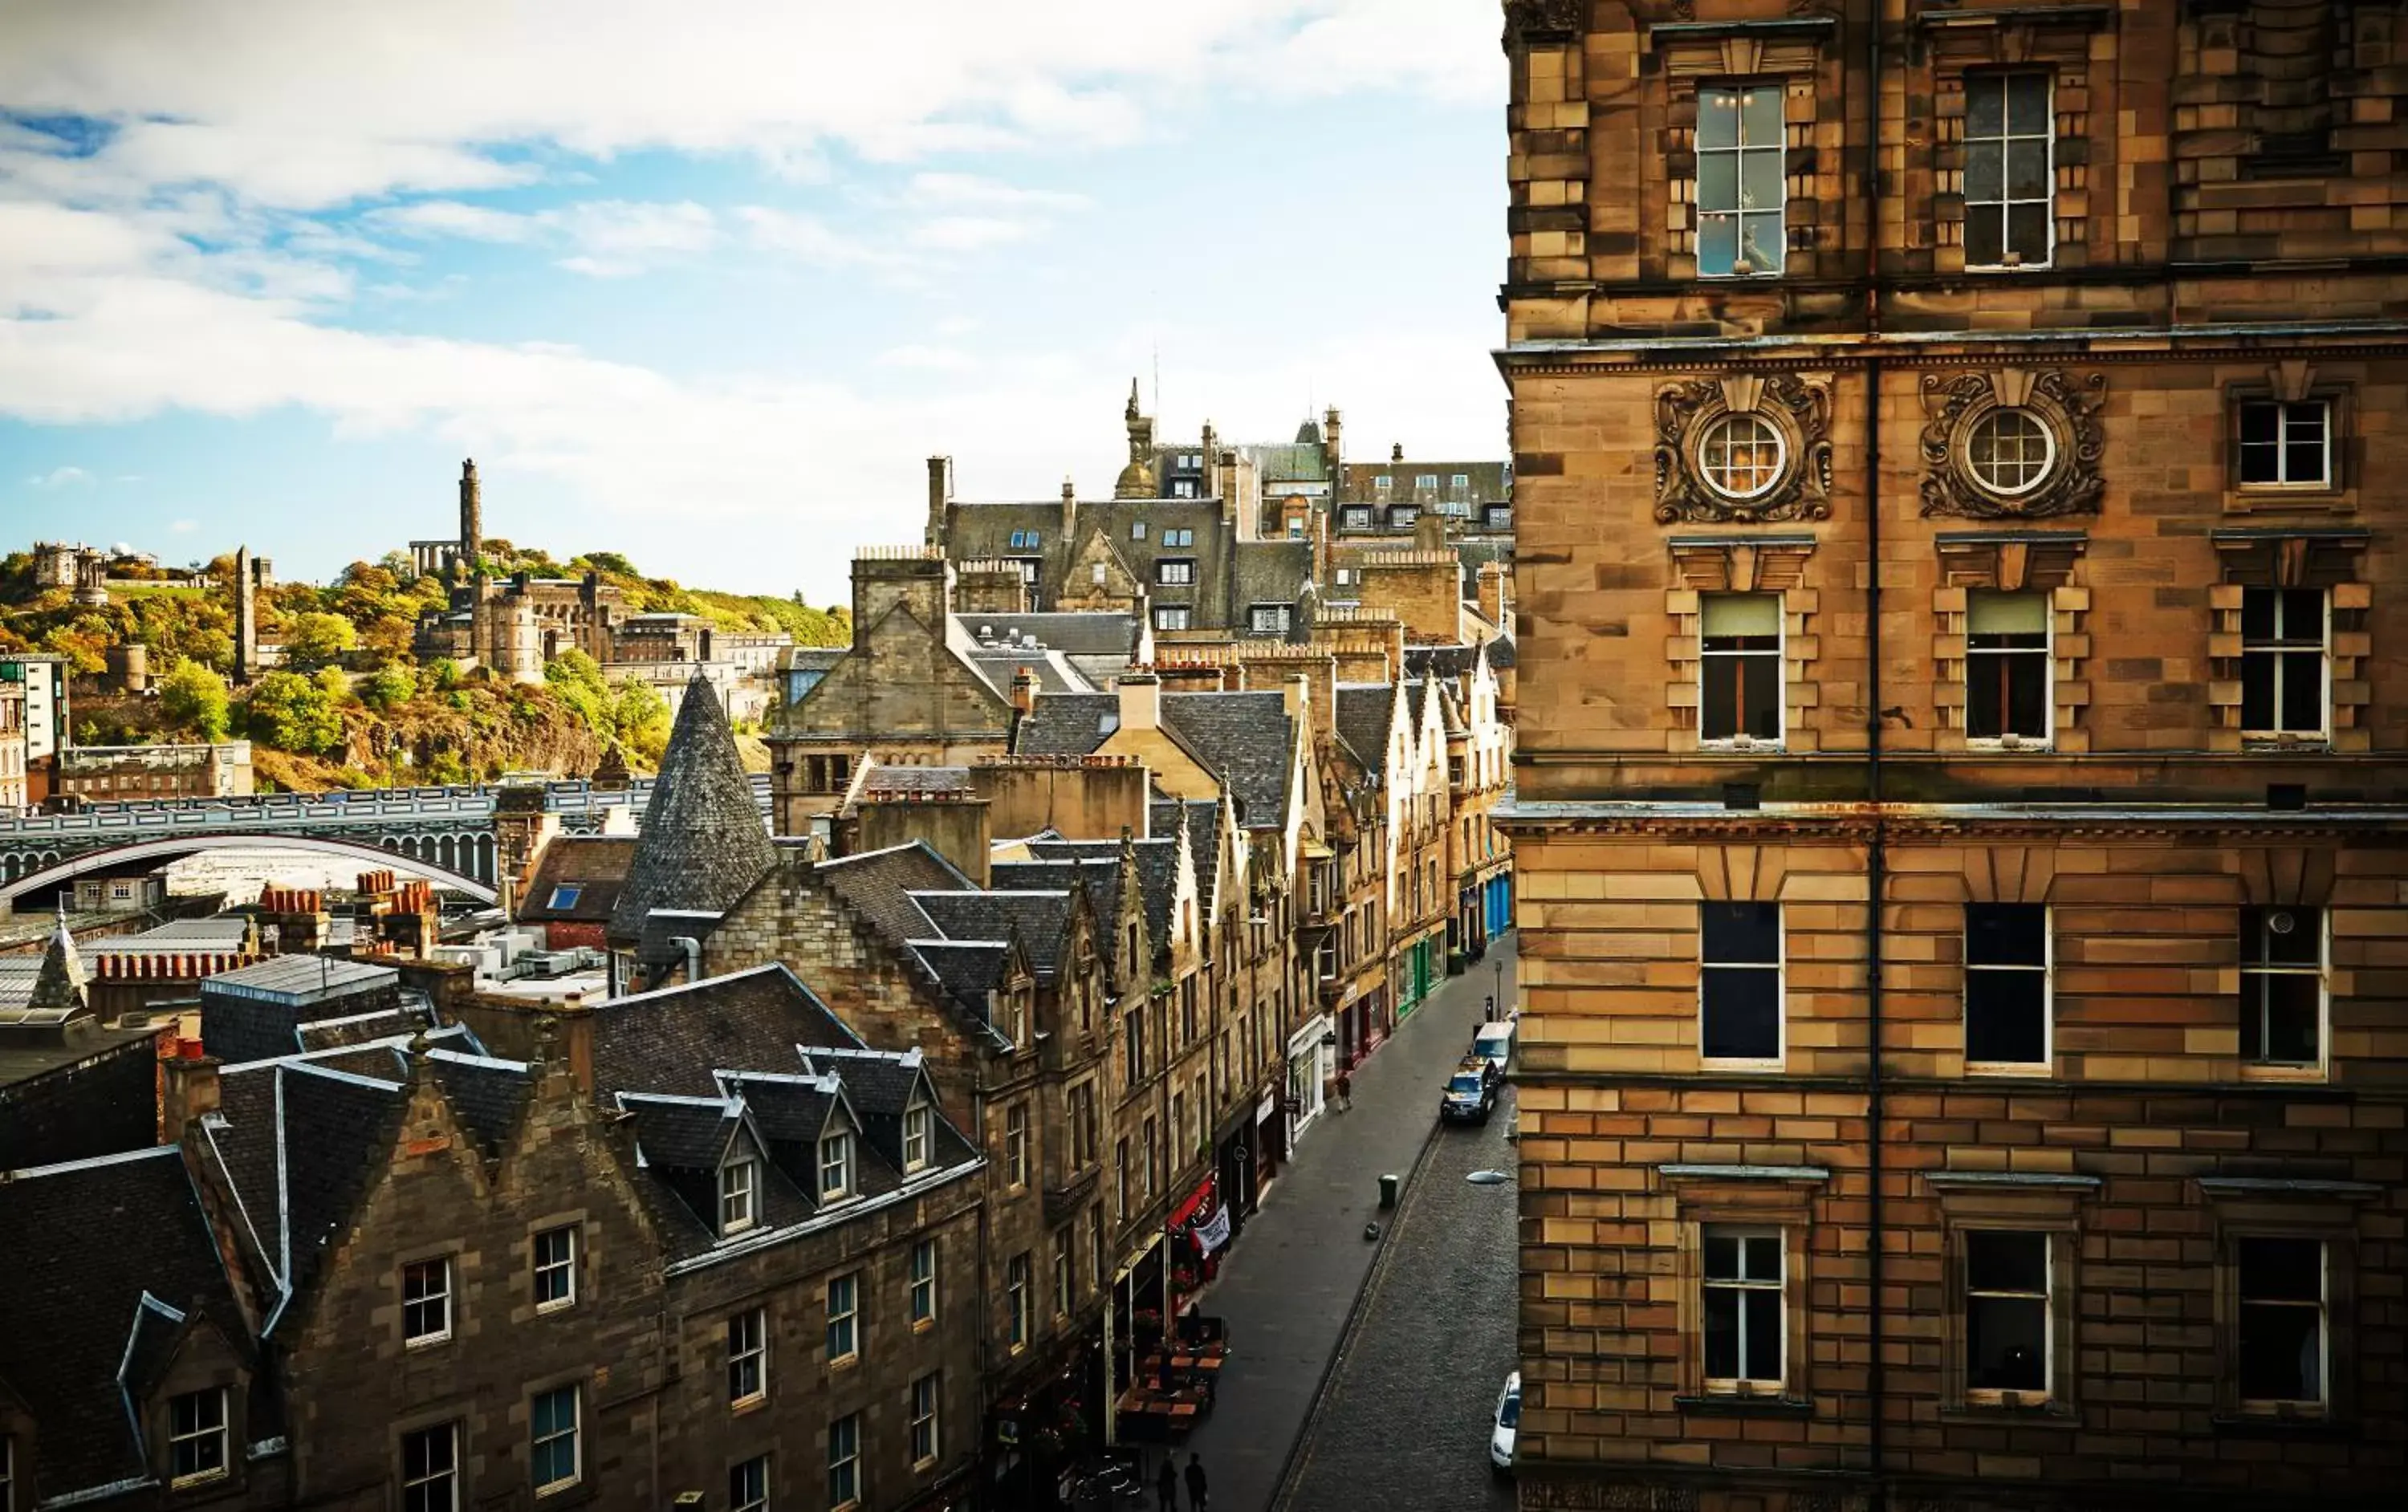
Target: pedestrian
{"x": 1165, "y": 1485}
{"x": 1195, "y": 1501}
{"x": 1345, "y": 1091}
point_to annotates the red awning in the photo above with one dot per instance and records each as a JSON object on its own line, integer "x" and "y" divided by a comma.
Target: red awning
{"x": 1196, "y": 1203}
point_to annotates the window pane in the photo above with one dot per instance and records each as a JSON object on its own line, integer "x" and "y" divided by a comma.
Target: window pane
{"x": 1722, "y": 1256}
{"x": 2006, "y": 933}
{"x": 2258, "y": 691}
{"x": 2281, "y": 937}
{"x": 1734, "y": 932}
{"x": 1717, "y": 118}
{"x": 1740, "y": 614}
{"x": 2304, "y": 614}
{"x": 2302, "y": 679}
{"x": 1722, "y": 1332}
{"x": 1986, "y": 174}
{"x": 1984, "y": 237}
{"x": 2281, "y": 1270}
{"x": 1718, "y": 181}
{"x": 1997, "y": 1261}
{"x": 1762, "y": 1358}
{"x": 1760, "y": 116}
{"x": 1759, "y": 242}
{"x": 1717, "y": 244}
{"x": 1985, "y": 106}
{"x": 2258, "y": 613}
{"x": 2006, "y": 1017}
{"x": 2303, "y": 462}
{"x": 1759, "y": 1257}
{"x": 1742, "y": 1014}
{"x": 2292, "y": 1006}
{"x": 1760, "y": 184}
{"x": 1991, "y": 613}
{"x": 2006, "y": 1344}
{"x": 2027, "y": 104}
{"x": 2026, "y": 694}
{"x": 2281, "y": 1351}
{"x": 2027, "y": 170}
{"x": 2027, "y": 230}
{"x": 2260, "y": 423}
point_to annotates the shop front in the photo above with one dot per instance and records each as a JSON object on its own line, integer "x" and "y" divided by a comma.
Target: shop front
{"x": 1311, "y": 1062}
{"x": 1235, "y": 1162}
{"x": 1418, "y": 968}
{"x": 1500, "y": 904}
{"x": 1270, "y": 1137}
{"x": 1040, "y": 1432}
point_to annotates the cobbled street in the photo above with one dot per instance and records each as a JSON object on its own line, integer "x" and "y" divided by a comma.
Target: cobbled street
{"x": 1399, "y": 1419}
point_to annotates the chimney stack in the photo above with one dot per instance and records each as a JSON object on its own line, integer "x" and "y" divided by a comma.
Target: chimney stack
{"x": 1023, "y": 692}
{"x": 1141, "y": 695}
{"x": 940, "y": 492}
{"x": 1333, "y": 453}
{"x": 1069, "y": 510}
{"x": 188, "y": 1087}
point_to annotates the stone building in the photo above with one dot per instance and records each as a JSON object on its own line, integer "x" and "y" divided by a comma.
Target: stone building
{"x": 123, "y": 774}
{"x": 1961, "y": 820}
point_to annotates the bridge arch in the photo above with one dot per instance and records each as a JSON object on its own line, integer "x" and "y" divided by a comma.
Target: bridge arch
{"x": 409, "y": 862}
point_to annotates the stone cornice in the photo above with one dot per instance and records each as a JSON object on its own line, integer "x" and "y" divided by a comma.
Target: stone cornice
{"x": 1844, "y": 823}
{"x": 1813, "y": 351}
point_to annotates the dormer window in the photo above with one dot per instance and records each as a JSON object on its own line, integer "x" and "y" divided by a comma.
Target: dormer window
{"x": 197, "y": 1437}
{"x": 836, "y": 1166}
{"x": 919, "y": 1136}
{"x": 739, "y": 1196}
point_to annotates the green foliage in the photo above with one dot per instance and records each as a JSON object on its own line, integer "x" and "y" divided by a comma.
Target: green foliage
{"x": 390, "y": 687}
{"x": 317, "y": 638}
{"x": 291, "y": 712}
{"x": 194, "y": 697}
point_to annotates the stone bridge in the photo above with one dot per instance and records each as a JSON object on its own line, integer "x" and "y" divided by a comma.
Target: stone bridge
{"x": 445, "y": 835}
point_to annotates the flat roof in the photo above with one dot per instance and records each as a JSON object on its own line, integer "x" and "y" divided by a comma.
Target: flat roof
{"x": 303, "y": 978}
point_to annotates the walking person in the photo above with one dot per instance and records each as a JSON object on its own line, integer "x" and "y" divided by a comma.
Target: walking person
{"x": 1195, "y": 1499}
{"x": 1345, "y": 1091}
{"x": 1165, "y": 1485}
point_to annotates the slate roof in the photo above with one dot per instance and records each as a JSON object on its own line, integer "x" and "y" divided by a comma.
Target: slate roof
{"x": 81, "y": 1245}
{"x": 1203, "y": 836}
{"x": 968, "y": 970}
{"x": 271, "y": 1015}
{"x": 702, "y": 843}
{"x": 303, "y": 979}
{"x": 1243, "y": 736}
{"x": 1363, "y": 713}
{"x": 1054, "y": 672}
{"x": 1071, "y": 633}
{"x": 1038, "y": 917}
{"x": 672, "y": 1040}
{"x": 594, "y": 865}
{"x": 486, "y": 1094}
{"x": 883, "y": 780}
{"x": 1157, "y": 873}
{"x": 1067, "y": 724}
{"x": 879, "y": 884}
{"x": 1267, "y": 572}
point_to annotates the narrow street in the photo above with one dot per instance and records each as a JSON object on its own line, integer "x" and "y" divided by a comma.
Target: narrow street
{"x": 1290, "y": 1288}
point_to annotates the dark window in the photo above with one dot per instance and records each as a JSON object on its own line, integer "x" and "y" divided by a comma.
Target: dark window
{"x": 551, "y": 1439}
{"x": 2006, "y": 666}
{"x": 1740, "y": 980}
{"x": 2006, "y": 1311}
{"x": 2285, "y": 444}
{"x": 1741, "y": 188}
{"x": 844, "y": 1460}
{"x": 1743, "y": 1311}
{"x": 2006, "y": 983}
{"x": 2010, "y": 183}
{"x": 844, "y": 1317}
{"x": 2283, "y": 661}
{"x": 426, "y": 1300}
{"x": 2282, "y": 1318}
{"x": 555, "y": 1268}
{"x": 923, "y": 1281}
{"x": 748, "y": 1485}
{"x": 1738, "y": 667}
{"x": 748, "y": 1355}
{"x": 196, "y": 1435}
{"x": 430, "y": 1469}
{"x": 2282, "y": 986}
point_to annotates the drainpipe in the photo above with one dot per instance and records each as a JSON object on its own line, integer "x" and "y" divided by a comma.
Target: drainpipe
{"x": 1875, "y": 860}
{"x": 693, "y": 949}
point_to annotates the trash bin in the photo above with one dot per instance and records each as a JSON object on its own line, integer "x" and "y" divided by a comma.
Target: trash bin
{"x": 1388, "y": 1185}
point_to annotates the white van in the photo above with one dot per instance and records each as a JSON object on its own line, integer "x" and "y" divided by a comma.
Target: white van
{"x": 1495, "y": 1042}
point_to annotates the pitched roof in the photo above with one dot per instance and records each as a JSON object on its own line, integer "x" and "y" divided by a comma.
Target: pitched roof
{"x": 879, "y": 884}
{"x": 672, "y": 1040}
{"x": 578, "y": 879}
{"x": 1157, "y": 874}
{"x": 1067, "y": 724}
{"x": 485, "y": 1092}
{"x": 1037, "y": 916}
{"x": 702, "y": 843}
{"x": 83, "y": 1244}
{"x": 59, "y": 986}
{"x": 1364, "y": 713}
{"x": 1246, "y": 737}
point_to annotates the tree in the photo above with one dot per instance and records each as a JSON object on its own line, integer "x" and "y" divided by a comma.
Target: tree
{"x": 391, "y": 687}
{"x": 290, "y": 712}
{"x": 316, "y": 638}
{"x": 196, "y": 697}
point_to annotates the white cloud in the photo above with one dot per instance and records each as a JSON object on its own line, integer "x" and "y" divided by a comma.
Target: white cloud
{"x": 183, "y": 527}
{"x": 61, "y": 478}
{"x": 960, "y": 189}
{"x": 616, "y": 239}
{"x": 972, "y": 233}
{"x": 451, "y": 218}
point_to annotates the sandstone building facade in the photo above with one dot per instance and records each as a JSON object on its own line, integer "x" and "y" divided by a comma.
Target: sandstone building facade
{"x": 1960, "y": 822}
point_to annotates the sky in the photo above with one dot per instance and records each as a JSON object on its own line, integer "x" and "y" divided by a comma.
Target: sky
{"x": 707, "y": 283}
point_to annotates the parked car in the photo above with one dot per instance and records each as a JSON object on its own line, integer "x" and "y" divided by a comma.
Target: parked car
{"x": 1507, "y": 1422}
{"x": 1495, "y": 1042}
{"x": 1470, "y": 1092}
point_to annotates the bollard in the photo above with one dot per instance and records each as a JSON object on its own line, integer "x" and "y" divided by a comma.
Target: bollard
{"x": 1388, "y": 1185}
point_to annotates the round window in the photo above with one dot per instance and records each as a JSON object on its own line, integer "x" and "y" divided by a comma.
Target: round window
{"x": 2010, "y": 450}
{"x": 1740, "y": 456}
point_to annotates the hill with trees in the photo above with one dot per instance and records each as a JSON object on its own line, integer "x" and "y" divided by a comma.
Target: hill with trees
{"x": 352, "y": 705}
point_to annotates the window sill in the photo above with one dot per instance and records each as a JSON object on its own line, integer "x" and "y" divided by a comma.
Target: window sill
{"x": 847, "y": 1362}
{"x": 545, "y": 1309}
{"x": 1718, "y": 1404}
{"x": 2276, "y": 744}
{"x": 427, "y": 1341}
{"x": 2026, "y": 1069}
{"x": 922, "y": 1325}
{"x": 2024, "y": 746}
{"x": 1770, "y": 1068}
{"x": 2311, "y": 1074}
{"x": 747, "y": 1406}
{"x": 1994, "y": 269}
{"x": 2050, "y": 1414}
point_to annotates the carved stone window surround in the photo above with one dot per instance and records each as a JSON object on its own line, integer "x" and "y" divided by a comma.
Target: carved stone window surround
{"x": 1956, "y": 404}
{"x": 1799, "y": 410}
{"x": 2018, "y": 1202}
{"x": 1742, "y": 564}
{"x": 2023, "y": 39}
{"x": 2332, "y": 560}
{"x": 2014, "y": 561}
{"x": 2291, "y": 381}
{"x": 1779, "y": 1197}
{"x": 1690, "y": 54}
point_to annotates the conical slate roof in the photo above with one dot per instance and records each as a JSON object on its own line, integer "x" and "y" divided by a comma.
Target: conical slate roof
{"x": 60, "y": 984}
{"x": 702, "y": 843}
